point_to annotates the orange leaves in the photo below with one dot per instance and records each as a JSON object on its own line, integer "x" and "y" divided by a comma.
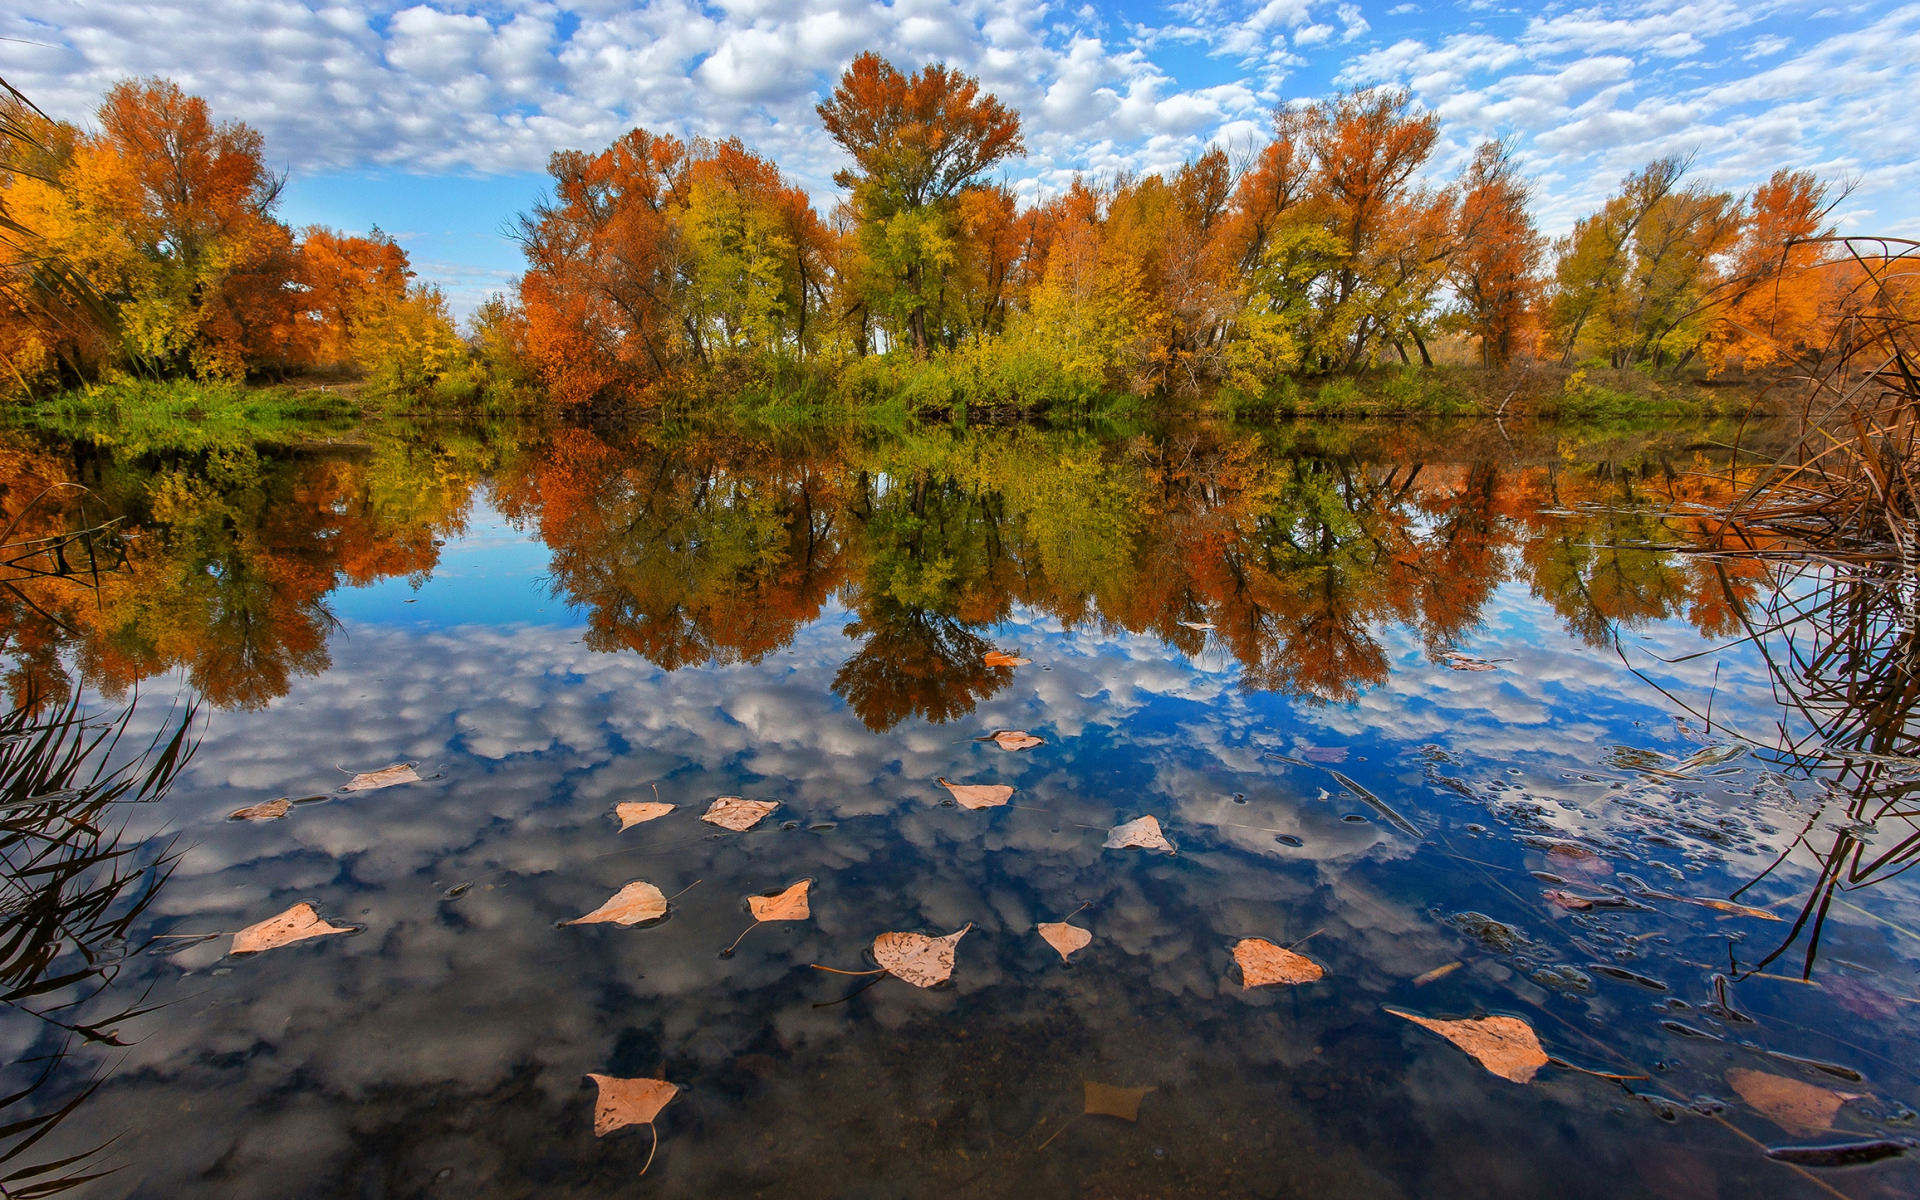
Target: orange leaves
{"x": 1013, "y": 739}
{"x": 1796, "y": 1107}
{"x": 918, "y": 137}
{"x": 266, "y": 810}
{"x": 1106, "y": 1100}
{"x": 624, "y": 1102}
{"x": 999, "y": 658}
{"x": 978, "y": 795}
{"x": 1065, "y": 938}
{"x": 731, "y": 812}
{"x": 920, "y": 960}
{"x": 789, "y": 905}
{"x": 1262, "y": 963}
{"x": 1505, "y": 1046}
{"x": 297, "y": 924}
{"x": 1143, "y": 832}
{"x": 631, "y": 905}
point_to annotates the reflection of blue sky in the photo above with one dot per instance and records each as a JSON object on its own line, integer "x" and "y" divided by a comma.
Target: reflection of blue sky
{"x": 279, "y": 1066}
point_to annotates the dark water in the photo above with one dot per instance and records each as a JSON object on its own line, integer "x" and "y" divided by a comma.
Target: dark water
{"x": 550, "y": 622}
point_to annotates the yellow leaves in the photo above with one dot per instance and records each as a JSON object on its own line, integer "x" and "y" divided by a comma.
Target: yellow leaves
{"x": 997, "y": 658}
{"x": 978, "y": 795}
{"x": 631, "y": 905}
{"x": 1505, "y": 1046}
{"x": 1794, "y": 1106}
{"x": 731, "y": 812}
{"x": 789, "y": 905}
{"x": 634, "y": 812}
{"x": 266, "y": 810}
{"x": 1106, "y": 1100}
{"x": 920, "y": 960}
{"x": 1012, "y": 739}
{"x": 1143, "y": 832}
{"x": 624, "y": 1102}
{"x": 1065, "y": 938}
{"x": 297, "y": 924}
{"x": 1262, "y": 963}
{"x": 385, "y": 777}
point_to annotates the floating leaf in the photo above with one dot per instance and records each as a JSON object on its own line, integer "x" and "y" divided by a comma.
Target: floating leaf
{"x": 997, "y": 658}
{"x": 1793, "y": 1105}
{"x": 1064, "y": 937}
{"x": 1839, "y": 1154}
{"x": 1106, "y": 1100}
{"x": 385, "y": 777}
{"x": 1143, "y": 832}
{"x": 1439, "y": 972}
{"x": 630, "y": 905}
{"x": 979, "y": 795}
{"x": 266, "y": 810}
{"x": 920, "y": 960}
{"x": 790, "y": 905}
{"x": 1324, "y": 754}
{"x": 625, "y": 1102}
{"x": 1012, "y": 739}
{"x": 1467, "y": 662}
{"x": 297, "y": 924}
{"x": 1569, "y": 856}
{"x": 1505, "y": 1046}
{"x": 1262, "y": 962}
{"x": 731, "y": 812}
{"x": 1568, "y": 900}
{"x": 633, "y": 812}
{"x": 1201, "y": 626}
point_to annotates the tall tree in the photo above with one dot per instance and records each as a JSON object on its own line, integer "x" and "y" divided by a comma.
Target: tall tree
{"x": 916, "y": 141}
{"x": 1496, "y": 255}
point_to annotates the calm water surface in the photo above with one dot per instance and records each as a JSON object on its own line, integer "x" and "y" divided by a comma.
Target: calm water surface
{"x": 1241, "y": 635}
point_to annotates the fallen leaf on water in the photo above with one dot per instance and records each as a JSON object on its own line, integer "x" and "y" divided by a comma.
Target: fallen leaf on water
{"x": 1567, "y": 900}
{"x": 1439, "y": 972}
{"x": 1106, "y": 1100}
{"x": 1324, "y": 754}
{"x": 920, "y": 960}
{"x": 632, "y": 812}
{"x": 1789, "y": 1103}
{"x": 979, "y": 795}
{"x": 1262, "y": 962}
{"x": 1144, "y": 833}
{"x": 731, "y": 812}
{"x": 998, "y": 658}
{"x": 1579, "y": 859}
{"x": 630, "y": 905}
{"x": 266, "y": 810}
{"x": 368, "y": 781}
{"x": 790, "y": 905}
{"x": 1065, "y": 938}
{"x": 297, "y": 924}
{"x": 1202, "y": 626}
{"x": 625, "y": 1102}
{"x": 1012, "y": 739}
{"x": 1505, "y": 1046}
{"x": 1467, "y": 662}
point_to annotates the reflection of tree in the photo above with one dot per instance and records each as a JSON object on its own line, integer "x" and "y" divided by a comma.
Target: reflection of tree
{"x": 915, "y": 663}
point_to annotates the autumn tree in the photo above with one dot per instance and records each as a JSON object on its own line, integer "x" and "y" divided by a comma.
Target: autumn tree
{"x": 1778, "y": 298}
{"x": 1495, "y": 262}
{"x": 916, "y": 142}
{"x": 340, "y": 274}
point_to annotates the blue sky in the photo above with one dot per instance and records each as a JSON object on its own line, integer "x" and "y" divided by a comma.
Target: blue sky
{"x": 435, "y": 120}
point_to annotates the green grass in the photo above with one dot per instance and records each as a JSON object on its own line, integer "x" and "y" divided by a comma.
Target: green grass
{"x": 181, "y": 415}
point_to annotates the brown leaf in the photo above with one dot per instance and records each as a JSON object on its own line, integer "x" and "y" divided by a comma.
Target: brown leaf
{"x": 731, "y": 812}
{"x": 1569, "y": 857}
{"x": 1567, "y": 900}
{"x": 630, "y": 905}
{"x": 1505, "y": 1046}
{"x": 1106, "y": 1100}
{"x": 790, "y": 905}
{"x": 266, "y": 810}
{"x": 997, "y": 658}
{"x": 1439, "y": 972}
{"x": 1467, "y": 662}
{"x": 1789, "y": 1103}
{"x": 1262, "y": 962}
{"x": 920, "y": 960}
{"x": 1064, "y": 937}
{"x": 1144, "y": 833}
{"x": 625, "y": 1102}
{"x": 979, "y": 795}
{"x": 1012, "y": 739}
{"x": 633, "y": 812}
{"x": 385, "y": 777}
{"x": 294, "y": 925}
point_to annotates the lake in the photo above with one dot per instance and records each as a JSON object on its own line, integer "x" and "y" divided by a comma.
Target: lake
{"x": 1451, "y": 714}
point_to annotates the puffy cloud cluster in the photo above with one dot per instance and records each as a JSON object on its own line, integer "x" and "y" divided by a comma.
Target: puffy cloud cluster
{"x": 494, "y": 87}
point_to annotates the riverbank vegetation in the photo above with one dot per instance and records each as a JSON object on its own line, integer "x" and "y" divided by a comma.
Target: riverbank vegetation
{"x": 1330, "y": 270}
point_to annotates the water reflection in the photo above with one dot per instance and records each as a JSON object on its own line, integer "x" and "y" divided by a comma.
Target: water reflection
{"x": 805, "y": 622}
